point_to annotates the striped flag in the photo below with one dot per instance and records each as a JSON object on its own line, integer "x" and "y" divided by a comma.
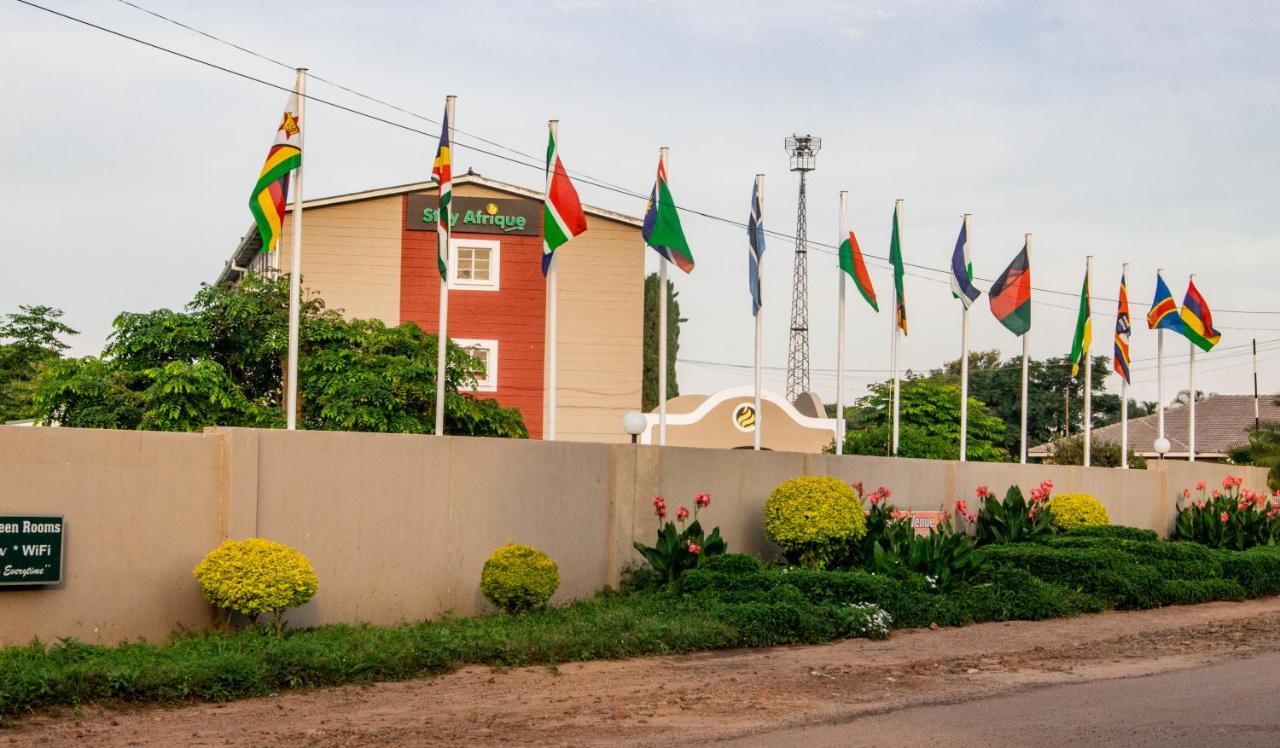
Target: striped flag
{"x": 1010, "y": 295}
{"x": 442, "y": 173}
{"x": 1123, "y": 329}
{"x": 271, "y": 192}
{"x": 662, "y": 229}
{"x": 1164, "y": 310}
{"x": 562, "y": 216}
{"x": 895, "y": 257}
{"x": 852, "y": 263}
{"x": 755, "y": 239}
{"x": 962, "y": 270}
{"x": 1197, "y": 321}
{"x": 1083, "y": 339}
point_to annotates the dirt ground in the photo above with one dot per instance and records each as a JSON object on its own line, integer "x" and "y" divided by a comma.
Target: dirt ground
{"x": 694, "y": 698}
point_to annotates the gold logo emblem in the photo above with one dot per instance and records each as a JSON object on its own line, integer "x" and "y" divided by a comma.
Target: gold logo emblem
{"x": 290, "y": 124}
{"x": 744, "y": 417}
{"x": 491, "y": 209}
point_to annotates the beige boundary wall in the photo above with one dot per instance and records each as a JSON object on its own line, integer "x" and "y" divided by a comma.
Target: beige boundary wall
{"x": 399, "y": 526}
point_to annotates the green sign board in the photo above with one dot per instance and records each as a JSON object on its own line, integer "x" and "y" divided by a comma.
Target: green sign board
{"x": 476, "y": 215}
{"x": 30, "y": 549}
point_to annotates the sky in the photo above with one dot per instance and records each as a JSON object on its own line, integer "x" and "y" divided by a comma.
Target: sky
{"x": 1139, "y": 132}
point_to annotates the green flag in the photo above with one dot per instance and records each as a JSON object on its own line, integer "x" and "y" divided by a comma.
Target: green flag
{"x": 895, "y": 257}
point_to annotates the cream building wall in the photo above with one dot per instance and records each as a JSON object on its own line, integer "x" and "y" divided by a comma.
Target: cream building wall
{"x": 398, "y": 526}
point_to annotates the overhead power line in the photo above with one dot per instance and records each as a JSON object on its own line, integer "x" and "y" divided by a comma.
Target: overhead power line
{"x": 531, "y": 162}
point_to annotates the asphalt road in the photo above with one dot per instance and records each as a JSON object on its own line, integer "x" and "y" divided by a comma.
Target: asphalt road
{"x": 1233, "y": 703}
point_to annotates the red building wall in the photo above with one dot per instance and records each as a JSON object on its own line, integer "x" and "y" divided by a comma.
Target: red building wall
{"x": 514, "y": 315}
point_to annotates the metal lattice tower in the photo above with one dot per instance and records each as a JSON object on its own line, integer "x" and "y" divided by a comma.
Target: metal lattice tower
{"x": 803, "y": 150}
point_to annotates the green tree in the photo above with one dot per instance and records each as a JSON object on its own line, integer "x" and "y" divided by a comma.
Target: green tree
{"x": 34, "y": 342}
{"x": 649, "y": 391}
{"x": 1262, "y": 450}
{"x": 222, "y": 360}
{"x": 929, "y": 423}
{"x": 999, "y": 386}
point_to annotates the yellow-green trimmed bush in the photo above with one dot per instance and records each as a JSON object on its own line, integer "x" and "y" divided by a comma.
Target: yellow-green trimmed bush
{"x": 256, "y": 576}
{"x": 517, "y": 578}
{"x": 1075, "y": 510}
{"x": 812, "y": 516}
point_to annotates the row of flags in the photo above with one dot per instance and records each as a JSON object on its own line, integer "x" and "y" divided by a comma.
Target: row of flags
{"x": 563, "y": 219}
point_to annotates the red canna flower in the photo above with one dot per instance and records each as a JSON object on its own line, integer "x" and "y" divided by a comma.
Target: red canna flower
{"x": 1201, "y": 486}
{"x": 702, "y": 500}
{"x": 682, "y": 514}
{"x": 695, "y": 549}
{"x": 982, "y": 492}
{"x": 1186, "y": 493}
{"x": 1223, "y": 517}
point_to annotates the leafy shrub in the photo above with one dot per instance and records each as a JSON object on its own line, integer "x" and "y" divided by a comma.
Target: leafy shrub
{"x": 256, "y": 576}
{"x": 733, "y": 563}
{"x": 1234, "y": 518}
{"x": 683, "y": 548}
{"x": 1117, "y": 532}
{"x": 1256, "y": 570}
{"x": 1013, "y": 519}
{"x": 1070, "y": 451}
{"x": 864, "y": 619}
{"x": 1075, "y": 510}
{"x": 891, "y": 545}
{"x": 517, "y": 578}
{"x": 811, "y": 517}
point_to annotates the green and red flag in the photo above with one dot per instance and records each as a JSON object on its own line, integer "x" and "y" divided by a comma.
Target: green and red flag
{"x": 852, "y": 263}
{"x": 562, "y": 216}
{"x": 271, "y": 192}
{"x": 895, "y": 257}
{"x": 1083, "y": 339}
{"x": 662, "y": 229}
{"x": 1010, "y": 295}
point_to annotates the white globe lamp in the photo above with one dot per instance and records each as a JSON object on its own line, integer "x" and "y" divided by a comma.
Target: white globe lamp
{"x": 634, "y": 423}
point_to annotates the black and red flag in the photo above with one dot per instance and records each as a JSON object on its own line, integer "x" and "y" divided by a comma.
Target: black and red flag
{"x": 1010, "y": 295}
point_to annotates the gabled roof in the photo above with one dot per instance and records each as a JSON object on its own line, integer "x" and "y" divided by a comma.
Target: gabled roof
{"x": 1222, "y": 422}
{"x": 251, "y": 243}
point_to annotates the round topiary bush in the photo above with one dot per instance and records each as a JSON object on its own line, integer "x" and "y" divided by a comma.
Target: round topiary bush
{"x": 1075, "y": 510}
{"x": 256, "y": 576}
{"x": 517, "y": 578}
{"x": 812, "y": 516}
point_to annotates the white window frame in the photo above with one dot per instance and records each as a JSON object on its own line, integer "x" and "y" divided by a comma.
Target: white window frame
{"x": 495, "y": 265}
{"x": 490, "y": 381}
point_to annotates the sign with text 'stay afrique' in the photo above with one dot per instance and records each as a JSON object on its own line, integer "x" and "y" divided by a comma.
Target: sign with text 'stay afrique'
{"x": 30, "y": 549}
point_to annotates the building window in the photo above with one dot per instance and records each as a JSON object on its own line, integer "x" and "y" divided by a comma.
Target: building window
{"x": 473, "y": 264}
{"x": 486, "y": 353}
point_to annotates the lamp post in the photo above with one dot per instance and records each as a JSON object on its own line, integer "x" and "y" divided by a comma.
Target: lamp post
{"x": 1162, "y": 446}
{"x": 634, "y": 423}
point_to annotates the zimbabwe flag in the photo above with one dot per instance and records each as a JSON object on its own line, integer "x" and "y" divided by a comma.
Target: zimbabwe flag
{"x": 271, "y": 191}
{"x": 1010, "y": 295}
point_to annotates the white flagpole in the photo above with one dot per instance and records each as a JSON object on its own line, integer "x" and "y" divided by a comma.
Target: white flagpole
{"x": 442, "y": 335}
{"x": 897, "y": 340}
{"x": 1160, "y": 378}
{"x": 964, "y": 363}
{"x": 1026, "y": 349}
{"x": 553, "y": 126}
{"x": 295, "y": 268}
{"x": 1191, "y": 405}
{"x": 1088, "y": 366}
{"x": 1124, "y": 394}
{"x": 759, "y": 342}
{"x": 840, "y": 312}
{"x": 662, "y": 330}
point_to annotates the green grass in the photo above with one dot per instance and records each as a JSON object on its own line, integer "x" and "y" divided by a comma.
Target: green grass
{"x": 733, "y": 601}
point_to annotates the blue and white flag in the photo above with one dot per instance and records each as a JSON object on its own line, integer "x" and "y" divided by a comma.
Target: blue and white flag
{"x": 755, "y": 234}
{"x": 962, "y": 271}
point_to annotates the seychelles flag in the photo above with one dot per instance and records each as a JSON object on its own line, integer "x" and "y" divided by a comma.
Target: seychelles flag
{"x": 1197, "y": 322}
{"x": 662, "y": 229}
{"x": 962, "y": 270}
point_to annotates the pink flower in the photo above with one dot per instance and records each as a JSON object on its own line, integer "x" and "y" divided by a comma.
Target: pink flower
{"x": 1223, "y": 517}
{"x": 702, "y": 500}
{"x": 961, "y": 506}
{"x": 1186, "y": 493}
{"x": 1200, "y": 504}
{"x": 695, "y": 549}
{"x": 1201, "y": 486}
{"x": 660, "y": 512}
{"x": 885, "y": 493}
{"x": 982, "y": 492}
{"x": 1227, "y": 482}
{"x": 857, "y": 486}
{"x": 682, "y": 514}
{"x": 875, "y": 498}
{"x": 1217, "y": 494}
{"x": 659, "y": 501}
